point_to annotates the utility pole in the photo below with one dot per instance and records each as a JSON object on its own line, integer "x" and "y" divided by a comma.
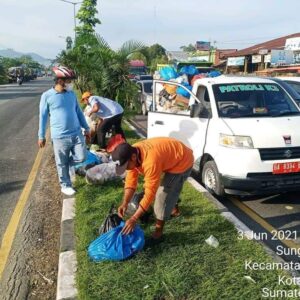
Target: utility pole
{"x": 74, "y": 11}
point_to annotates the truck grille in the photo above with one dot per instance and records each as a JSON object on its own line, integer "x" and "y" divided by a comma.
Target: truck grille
{"x": 279, "y": 153}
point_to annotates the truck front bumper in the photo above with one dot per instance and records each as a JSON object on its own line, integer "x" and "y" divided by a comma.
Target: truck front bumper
{"x": 261, "y": 183}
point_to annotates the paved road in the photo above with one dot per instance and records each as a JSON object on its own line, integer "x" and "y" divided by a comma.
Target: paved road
{"x": 18, "y": 136}
{"x": 260, "y": 214}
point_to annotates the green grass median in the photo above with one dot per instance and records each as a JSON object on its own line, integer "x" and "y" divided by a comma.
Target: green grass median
{"x": 183, "y": 266}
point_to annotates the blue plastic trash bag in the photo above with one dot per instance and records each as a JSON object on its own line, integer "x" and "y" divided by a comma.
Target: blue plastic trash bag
{"x": 181, "y": 91}
{"x": 91, "y": 159}
{"x": 189, "y": 70}
{"x": 113, "y": 245}
{"x": 214, "y": 74}
{"x": 167, "y": 73}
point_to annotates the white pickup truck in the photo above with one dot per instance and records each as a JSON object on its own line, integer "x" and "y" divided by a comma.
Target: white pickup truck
{"x": 244, "y": 131}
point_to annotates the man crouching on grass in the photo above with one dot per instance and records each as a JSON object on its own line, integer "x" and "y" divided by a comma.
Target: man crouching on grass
{"x": 152, "y": 158}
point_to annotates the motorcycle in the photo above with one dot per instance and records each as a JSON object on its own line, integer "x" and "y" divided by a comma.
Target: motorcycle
{"x": 19, "y": 80}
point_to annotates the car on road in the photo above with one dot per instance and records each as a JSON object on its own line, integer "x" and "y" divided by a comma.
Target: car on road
{"x": 244, "y": 132}
{"x": 145, "y": 95}
{"x": 143, "y": 77}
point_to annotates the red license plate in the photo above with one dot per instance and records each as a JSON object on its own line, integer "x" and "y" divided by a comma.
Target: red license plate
{"x": 288, "y": 167}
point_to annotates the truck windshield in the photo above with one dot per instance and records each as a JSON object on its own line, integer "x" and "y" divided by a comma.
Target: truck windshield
{"x": 244, "y": 100}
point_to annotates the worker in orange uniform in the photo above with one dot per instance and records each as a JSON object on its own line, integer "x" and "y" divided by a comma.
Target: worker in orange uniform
{"x": 152, "y": 158}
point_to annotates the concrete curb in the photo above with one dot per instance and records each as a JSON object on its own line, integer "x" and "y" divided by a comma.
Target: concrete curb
{"x": 67, "y": 265}
{"x": 238, "y": 224}
{"x": 135, "y": 127}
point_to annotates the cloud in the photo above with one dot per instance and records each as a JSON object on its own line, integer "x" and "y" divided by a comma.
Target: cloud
{"x": 35, "y": 25}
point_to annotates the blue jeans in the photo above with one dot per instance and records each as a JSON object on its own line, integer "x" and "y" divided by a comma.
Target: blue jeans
{"x": 67, "y": 152}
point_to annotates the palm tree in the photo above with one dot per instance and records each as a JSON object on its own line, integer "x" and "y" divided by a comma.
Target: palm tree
{"x": 101, "y": 69}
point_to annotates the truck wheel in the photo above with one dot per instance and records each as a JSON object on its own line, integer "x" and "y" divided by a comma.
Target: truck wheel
{"x": 144, "y": 109}
{"x": 211, "y": 179}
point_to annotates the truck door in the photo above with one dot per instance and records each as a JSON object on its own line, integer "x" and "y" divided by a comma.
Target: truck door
{"x": 170, "y": 116}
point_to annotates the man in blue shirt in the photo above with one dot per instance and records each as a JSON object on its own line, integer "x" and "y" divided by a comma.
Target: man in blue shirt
{"x": 66, "y": 121}
{"x": 109, "y": 111}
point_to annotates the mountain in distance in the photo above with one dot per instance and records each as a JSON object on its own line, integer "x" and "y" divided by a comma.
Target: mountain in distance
{"x": 10, "y": 53}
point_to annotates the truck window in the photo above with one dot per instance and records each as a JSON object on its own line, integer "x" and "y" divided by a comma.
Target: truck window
{"x": 239, "y": 100}
{"x": 203, "y": 96}
{"x": 170, "y": 99}
{"x": 294, "y": 85}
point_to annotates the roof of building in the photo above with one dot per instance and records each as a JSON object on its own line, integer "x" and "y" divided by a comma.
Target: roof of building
{"x": 278, "y": 43}
{"x": 136, "y": 63}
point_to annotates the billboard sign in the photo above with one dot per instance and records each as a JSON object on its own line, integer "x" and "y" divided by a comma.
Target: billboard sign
{"x": 202, "y": 45}
{"x": 236, "y": 61}
{"x": 296, "y": 57}
{"x": 256, "y": 59}
{"x": 282, "y": 57}
{"x": 202, "y": 58}
{"x": 267, "y": 58}
{"x": 292, "y": 44}
{"x": 263, "y": 51}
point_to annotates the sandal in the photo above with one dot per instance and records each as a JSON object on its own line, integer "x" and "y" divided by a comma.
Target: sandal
{"x": 175, "y": 212}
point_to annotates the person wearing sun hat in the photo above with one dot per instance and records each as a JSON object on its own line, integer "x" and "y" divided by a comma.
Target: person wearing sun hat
{"x": 152, "y": 158}
{"x": 109, "y": 111}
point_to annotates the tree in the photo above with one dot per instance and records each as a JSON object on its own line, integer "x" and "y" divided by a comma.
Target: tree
{"x": 156, "y": 51}
{"x": 101, "y": 69}
{"x": 26, "y": 62}
{"x": 3, "y": 75}
{"x": 139, "y": 56}
{"x": 189, "y": 48}
{"x": 87, "y": 17}
{"x": 158, "y": 60}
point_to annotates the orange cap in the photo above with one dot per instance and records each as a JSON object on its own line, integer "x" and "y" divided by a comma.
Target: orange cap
{"x": 86, "y": 95}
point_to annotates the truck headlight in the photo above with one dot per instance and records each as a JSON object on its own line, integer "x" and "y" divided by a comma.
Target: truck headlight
{"x": 236, "y": 141}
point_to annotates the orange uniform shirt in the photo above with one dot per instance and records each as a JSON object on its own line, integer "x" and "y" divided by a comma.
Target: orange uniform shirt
{"x": 158, "y": 155}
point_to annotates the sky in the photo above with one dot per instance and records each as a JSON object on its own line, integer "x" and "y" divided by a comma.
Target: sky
{"x": 41, "y": 26}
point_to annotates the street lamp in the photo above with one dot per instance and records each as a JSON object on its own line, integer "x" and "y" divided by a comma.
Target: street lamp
{"x": 74, "y": 10}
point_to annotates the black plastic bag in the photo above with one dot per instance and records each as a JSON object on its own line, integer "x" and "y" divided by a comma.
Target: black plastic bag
{"x": 111, "y": 221}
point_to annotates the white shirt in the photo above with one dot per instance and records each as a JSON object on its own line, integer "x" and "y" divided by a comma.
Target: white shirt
{"x": 108, "y": 108}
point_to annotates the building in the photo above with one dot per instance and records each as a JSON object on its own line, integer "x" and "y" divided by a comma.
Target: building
{"x": 207, "y": 57}
{"x": 283, "y": 51}
{"x": 221, "y": 56}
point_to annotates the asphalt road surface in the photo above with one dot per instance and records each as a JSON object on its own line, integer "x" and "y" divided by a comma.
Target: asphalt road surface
{"x": 262, "y": 214}
{"x": 18, "y": 141}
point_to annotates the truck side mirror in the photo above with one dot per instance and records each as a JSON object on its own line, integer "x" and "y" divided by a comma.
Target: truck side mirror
{"x": 196, "y": 110}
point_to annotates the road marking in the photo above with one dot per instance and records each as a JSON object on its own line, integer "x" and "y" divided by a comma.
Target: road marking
{"x": 289, "y": 207}
{"x": 12, "y": 227}
{"x": 253, "y": 215}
